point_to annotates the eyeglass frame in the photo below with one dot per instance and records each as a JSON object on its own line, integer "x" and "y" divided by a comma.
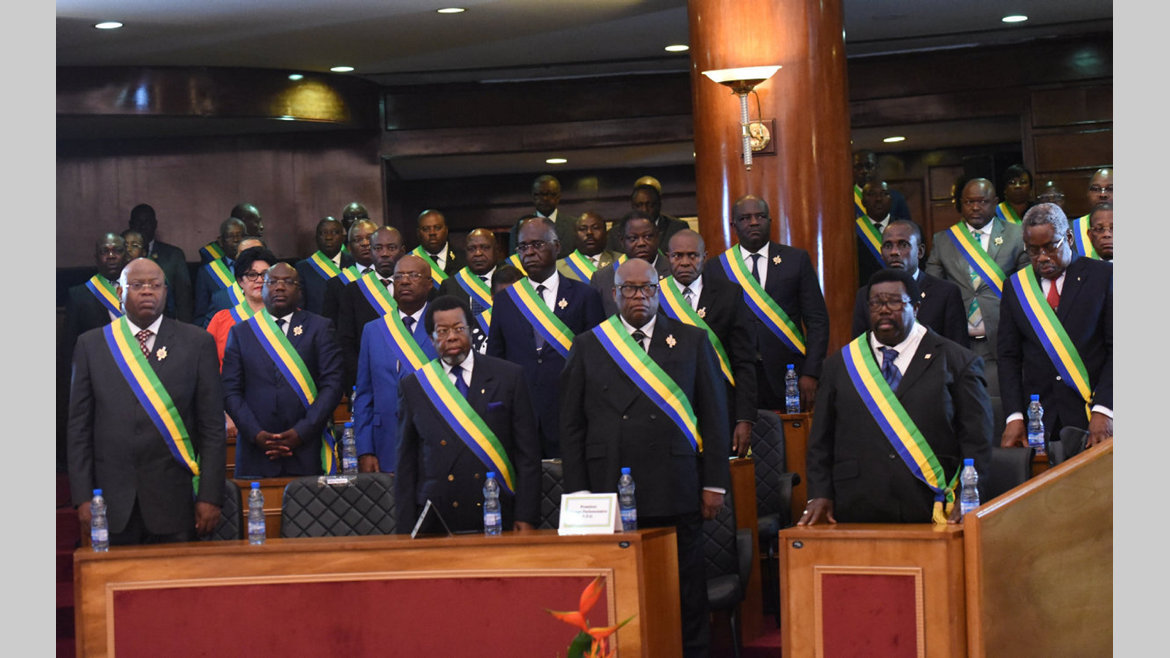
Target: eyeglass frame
{"x": 629, "y": 291}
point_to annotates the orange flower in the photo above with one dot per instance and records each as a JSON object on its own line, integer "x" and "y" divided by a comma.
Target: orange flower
{"x": 576, "y": 618}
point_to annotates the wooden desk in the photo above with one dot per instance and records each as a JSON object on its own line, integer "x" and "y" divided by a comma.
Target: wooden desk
{"x": 462, "y": 595}
{"x": 743, "y": 489}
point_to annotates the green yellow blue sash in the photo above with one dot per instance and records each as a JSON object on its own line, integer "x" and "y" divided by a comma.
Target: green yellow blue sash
{"x": 580, "y": 265}
{"x": 1051, "y": 334}
{"x": 236, "y": 293}
{"x": 540, "y": 317}
{"x": 402, "y": 341}
{"x": 766, "y": 309}
{"x": 220, "y": 273}
{"x": 295, "y": 372}
{"x": 376, "y": 293}
{"x": 438, "y": 276}
{"x": 465, "y": 422}
{"x": 324, "y": 265}
{"x": 677, "y": 308}
{"x": 105, "y": 293}
{"x": 858, "y": 206}
{"x": 211, "y": 251}
{"x": 151, "y": 394}
{"x": 350, "y": 274}
{"x": 870, "y": 238}
{"x": 514, "y": 261}
{"x": 897, "y": 426}
{"x": 474, "y": 286}
{"x": 485, "y": 320}
{"x": 651, "y": 379}
{"x": 241, "y": 312}
{"x": 1084, "y": 245}
{"x": 1007, "y": 213}
{"x": 977, "y": 258}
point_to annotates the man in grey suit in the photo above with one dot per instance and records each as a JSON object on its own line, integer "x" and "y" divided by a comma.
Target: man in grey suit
{"x": 144, "y": 466}
{"x": 955, "y": 253}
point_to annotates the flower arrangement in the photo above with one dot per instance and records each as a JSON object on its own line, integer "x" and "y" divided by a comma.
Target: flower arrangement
{"x": 589, "y": 642}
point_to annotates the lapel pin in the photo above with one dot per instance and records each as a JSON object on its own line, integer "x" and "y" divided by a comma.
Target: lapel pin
{"x": 925, "y": 356}
{"x": 161, "y": 353}
{"x": 777, "y": 260}
{"x": 562, "y": 304}
{"x": 483, "y": 391}
{"x": 922, "y": 294}
{"x": 702, "y": 313}
{"x": 998, "y": 240}
{"x": 297, "y": 331}
{"x": 670, "y": 341}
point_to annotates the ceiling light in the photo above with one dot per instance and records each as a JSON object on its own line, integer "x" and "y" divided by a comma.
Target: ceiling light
{"x": 295, "y": 76}
{"x": 286, "y": 117}
{"x": 108, "y": 25}
{"x": 677, "y": 48}
{"x": 1015, "y": 18}
{"x": 894, "y": 140}
{"x": 555, "y": 161}
{"x": 341, "y": 69}
{"x": 451, "y": 10}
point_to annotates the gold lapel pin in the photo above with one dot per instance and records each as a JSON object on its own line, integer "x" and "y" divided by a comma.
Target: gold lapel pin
{"x": 297, "y": 331}
{"x": 161, "y": 353}
{"x": 926, "y": 356}
{"x": 562, "y": 304}
{"x": 702, "y": 313}
{"x": 670, "y": 341}
{"x": 777, "y": 260}
{"x": 998, "y": 240}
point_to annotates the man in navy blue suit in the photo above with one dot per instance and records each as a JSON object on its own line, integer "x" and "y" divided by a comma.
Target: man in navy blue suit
{"x": 534, "y": 322}
{"x": 280, "y": 421}
{"x": 393, "y": 346}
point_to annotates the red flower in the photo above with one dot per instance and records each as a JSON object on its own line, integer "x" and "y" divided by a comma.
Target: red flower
{"x": 598, "y": 636}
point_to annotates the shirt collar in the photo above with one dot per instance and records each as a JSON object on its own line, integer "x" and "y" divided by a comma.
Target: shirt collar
{"x": 467, "y": 364}
{"x": 153, "y": 325}
{"x": 647, "y": 328}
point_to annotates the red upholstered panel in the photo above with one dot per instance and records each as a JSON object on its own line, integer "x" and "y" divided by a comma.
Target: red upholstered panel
{"x": 489, "y": 616}
{"x": 869, "y": 615}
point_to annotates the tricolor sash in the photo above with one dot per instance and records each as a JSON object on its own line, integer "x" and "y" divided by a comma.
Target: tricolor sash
{"x": 870, "y": 238}
{"x": 151, "y": 394}
{"x": 236, "y": 293}
{"x": 406, "y": 348}
{"x": 1084, "y": 245}
{"x": 241, "y": 312}
{"x": 485, "y": 320}
{"x": 376, "y": 293}
{"x": 438, "y": 276}
{"x": 858, "y": 206}
{"x": 540, "y": 317}
{"x": 105, "y": 293}
{"x": 896, "y": 425}
{"x": 324, "y": 265}
{"x": 580, "y": 265}
{"x": 220, "y": 273}
{"x": 1051, "y": 334}
{"x": 677, "y": 308}
{"x": 1007, "y": 213}
{"x": 211, "y": 251}
{"x": 766, "y": 309}
{"x": 465, "y": 422}
{"x": 295, "y": 372}
{"x": 977, "y": 258}
{"x": 476, "y": 288}
{"x": 350, "y": 274}
{"x": 649, "y": 377}
{"x": 514, "y": 261}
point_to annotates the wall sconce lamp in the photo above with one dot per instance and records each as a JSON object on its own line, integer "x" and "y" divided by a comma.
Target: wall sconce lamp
{"x": 742, "y": 81}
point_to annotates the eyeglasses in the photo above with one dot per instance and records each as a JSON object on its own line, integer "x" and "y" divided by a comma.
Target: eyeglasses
{"x": 630, "y": 291}
{"x": 273, "y": 282}
{"x": 442, "y": 332}
{"x": 1097, "y": 189}
{"x": 532, "y": 245}
{"x": 976, "y": 202}
{"x": 407, "y": 276}
{"x": 893, "y": 303}
{"x": 253, "y": 276}
{"x": 1049, "y": 249}
{"x": 145, "y": 285}
{"x": 1103, "y": 228}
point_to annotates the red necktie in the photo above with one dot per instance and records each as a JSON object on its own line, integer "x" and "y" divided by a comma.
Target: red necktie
{"x": 1053, "y": 295}
{"x": 142, "y": 337}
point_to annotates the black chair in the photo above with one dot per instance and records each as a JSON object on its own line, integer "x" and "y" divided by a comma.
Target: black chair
{"x": 728, "y": 553}
{"x": 773, "y": 482}
{"x": 338, "y": 505}
{"x": 551, "y": 486}
{"x": 1010, "y": 467}
{"x": 1070, "y": 444}
{"x": 231, "y": 520}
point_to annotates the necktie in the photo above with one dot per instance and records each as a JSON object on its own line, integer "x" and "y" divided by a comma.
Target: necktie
{"x": 755, "y": 266}
{"x": 280, "y": 322}
{"x": 385, "y": 282}
{"x": 638, "y": 337}
{"x": 689, "y": 295}
{"x": 142, "y": 337}
{"x": 1053, "y": 296}
{"x": 367, "y": 269}
{"x": 409, "y": 322}
{"x": 974, "y": 315}
{"x": 890, "y": 371}
{"x": 536, "y": 332}
{"x": 460, "y": 385}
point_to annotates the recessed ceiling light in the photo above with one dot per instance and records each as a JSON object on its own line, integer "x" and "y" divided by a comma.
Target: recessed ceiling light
{"x": 451, "y": 10}
{"x": 286, "y": 117}
{"x": 108, "y": 25}
{"x": 556, "y": 161}
{"x": 341, "y": 69}
{"x": 1015, "y": 18}
{"x": 295, "y": 76}
{"x": 894, "y": 140}
{"x": 677, "y": 48}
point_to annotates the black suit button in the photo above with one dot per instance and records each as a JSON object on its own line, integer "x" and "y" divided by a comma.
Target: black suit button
{"x": 539, "y": 360}
{"x": 455, "y": 504}
{"x": 653, "y": 416}
{"x": 1058, "y": 378}
{"x": 625, "y": 417}
{"x": 893, "y": 456}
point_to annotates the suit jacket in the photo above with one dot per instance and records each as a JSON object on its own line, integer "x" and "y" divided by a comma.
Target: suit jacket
{"x": 602, "y": 282}
{"x": 607, "y": 422}
{"x": 173, "y": 262}
{"x": 206, "y": 285}
{"x": 511, "y": 337}
{"x": 941, "y": 308}
{"x": 354, "y": 312}
{"x": 566, "y": 226}
{"x": 83, "y": 312}
{"x": 375, "y": 404}
{"x": 313, "y": 284}
{"x": 434, "y": 463}
{"x": 792, "y": 284}
{"x": 947, "y": 262}
{"x": 1086, "y": 312}
{"x": 607, "y": 257}
{"x": 867, "y": 264}
{"x": 852, "y": 462}
{"x": 452, "y": 287}
{"x": 114, "y": 445}
{"x": 258, "y": 397}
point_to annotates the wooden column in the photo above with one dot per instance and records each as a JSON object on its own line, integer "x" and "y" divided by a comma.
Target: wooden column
{"x": 808, "y": 181}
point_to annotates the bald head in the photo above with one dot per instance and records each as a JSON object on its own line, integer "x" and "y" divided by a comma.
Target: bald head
{"x": 481, "y": 251}
{"x": 144, "y": 291}
{"x": 330, "y": 236}
{"x": 231, "y": 231}
{"x": 635, "y": 291}
{"x": 110, "y": 254}
{"x": 977, "y": 202}
{"x": 250, "y": 215}
{"x": 1101, "y": 187}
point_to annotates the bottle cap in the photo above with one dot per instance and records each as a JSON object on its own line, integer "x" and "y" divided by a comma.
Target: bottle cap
{"x": 1035, "y": 397}
{"x": 625, "y": 470}
{"x": 791, "y": 366}
{"x": 97, "y": 492}
{"x": 968, "y": 462}
{"x": 255, "y": 485}
{"x": 491, "y": 475}
{"x": 349, "y": 423}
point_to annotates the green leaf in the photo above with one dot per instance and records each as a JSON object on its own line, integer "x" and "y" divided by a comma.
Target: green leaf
{"x": 580, "y": 645}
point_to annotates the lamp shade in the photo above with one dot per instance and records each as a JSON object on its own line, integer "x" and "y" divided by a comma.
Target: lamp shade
{"x": 743, "y": 79}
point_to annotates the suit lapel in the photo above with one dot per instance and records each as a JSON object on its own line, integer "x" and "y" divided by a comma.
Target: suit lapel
{"x": 1072, "y": 287}
{"x": 482, "y": 387}
{"x": 996, "y": 236}
{"x": 923, "y": 360}
{"x": 295, "y": 337}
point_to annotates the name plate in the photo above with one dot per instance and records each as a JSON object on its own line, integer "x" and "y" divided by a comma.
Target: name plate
{"x": 589, "y": 514}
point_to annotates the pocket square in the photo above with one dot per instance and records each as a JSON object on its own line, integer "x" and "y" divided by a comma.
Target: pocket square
{"x": 492, "y": 406}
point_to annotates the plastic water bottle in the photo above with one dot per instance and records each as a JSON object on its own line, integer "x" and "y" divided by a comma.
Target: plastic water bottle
{"x": 256, "y": 515}
{"x": 1036, "y": 425}
{"x": 969, "y": 493}
{"x": 791, "y": 391}
{"x": 99, "y": 526}
{"x": 349, "y": 460}
{"x": 626, "y": 503}
{"x": 492, "y": 522}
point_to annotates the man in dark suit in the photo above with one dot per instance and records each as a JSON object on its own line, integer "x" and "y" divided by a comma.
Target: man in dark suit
{"x": 317, "y": 270}
{"x": 718, "y": 305}
{"x": 385, "y": 357}
{"x": 1079, "y": 292}
{"x": 855, "y": 471}
{"x": 279, "y": 425}
{"x": 474, "y": 283}
{"x": 434, "y": 247}
{"x": 546, "y": 196}
{"x": 363, "y": 301}
{"x": 170, "y": 258}
{"x": 786, "y": 274}
{"x": 640, "y": 239}
{"x": 434, "y": 462}
{"x": 114, "y": 445}
{"x": 940, "y": 304}
{"x": 591, "y": 253}
{"x": 516, "y": 333}
{"x": 358, "y": 245}
{"x": 609, "y": 422}
{"x": 213, "y": 277}
{"x": 875, "y": 196}
{"x": 864, "y": 171}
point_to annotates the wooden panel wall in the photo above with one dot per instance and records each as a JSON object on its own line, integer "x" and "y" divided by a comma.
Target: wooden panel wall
{"x": 1070, "y": 136}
